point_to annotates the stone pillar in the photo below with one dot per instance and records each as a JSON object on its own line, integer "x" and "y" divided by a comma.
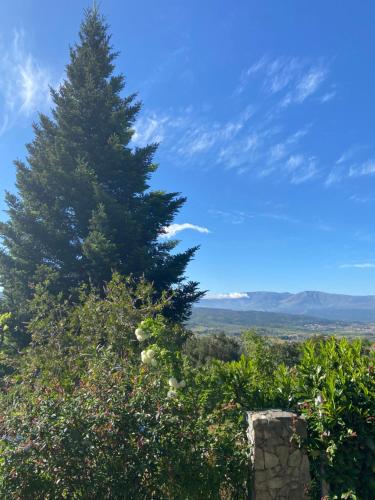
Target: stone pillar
{"x": 280, "y": 467}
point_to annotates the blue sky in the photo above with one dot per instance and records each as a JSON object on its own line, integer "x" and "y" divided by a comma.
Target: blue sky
{"x": 265, "y": 112}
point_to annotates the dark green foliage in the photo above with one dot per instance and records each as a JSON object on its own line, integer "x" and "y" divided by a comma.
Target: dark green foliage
{"x": 83, "y": 418}
{"x": 270, "y": 351}
{"x": 333, "y": 385}
{"x": 84, "y": 208}
{"x": 336, "y": 382}
{"x": 202, "y": 349}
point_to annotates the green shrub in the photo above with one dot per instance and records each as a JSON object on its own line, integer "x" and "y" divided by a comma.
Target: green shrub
{"x": 104, "y": 404}
{"x": 336, "y": 386}
{"x": 203, "y": 349}
{"x": 89, "y": 414}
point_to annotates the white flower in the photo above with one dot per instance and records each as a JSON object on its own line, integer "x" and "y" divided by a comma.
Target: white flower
{"x": 141, "y": 334}
{"x": 171, "y": 394}
{"x": 173, "y": 383}
{"x": 148, "y": 357}
{"x": 318, "y": 400}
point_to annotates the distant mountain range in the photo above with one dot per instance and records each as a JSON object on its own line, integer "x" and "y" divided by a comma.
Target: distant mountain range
{"x": 316, "y": 304}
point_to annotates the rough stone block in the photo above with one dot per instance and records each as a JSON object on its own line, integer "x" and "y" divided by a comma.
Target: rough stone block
{"x": 280, "y": 469}
{"x": 258, "y": 459}
{"x": 270, "y": 460}
{"x": 283, "y": 454}
{"x": 295, "y": 458}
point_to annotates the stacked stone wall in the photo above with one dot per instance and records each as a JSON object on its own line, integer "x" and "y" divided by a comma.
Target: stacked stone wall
{"x": 280, "y": 468}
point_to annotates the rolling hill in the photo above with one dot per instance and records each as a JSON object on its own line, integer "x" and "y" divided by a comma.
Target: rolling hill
{"x": 310, "y": 303}
{"x": 288, "y": 326}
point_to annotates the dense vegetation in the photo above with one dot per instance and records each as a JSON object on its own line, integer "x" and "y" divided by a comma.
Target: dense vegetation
{"x": 285, "y": 326}
{"x": 104, "y": 392}
{"x": 103, "y": 404}
{"x": 84, "y": 208}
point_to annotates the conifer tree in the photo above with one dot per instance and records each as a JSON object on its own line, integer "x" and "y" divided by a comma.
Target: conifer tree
{"x": 84, "y": 208}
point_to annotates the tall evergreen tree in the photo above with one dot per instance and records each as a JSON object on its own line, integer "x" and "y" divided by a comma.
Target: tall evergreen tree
{"x": 84, "y": 208}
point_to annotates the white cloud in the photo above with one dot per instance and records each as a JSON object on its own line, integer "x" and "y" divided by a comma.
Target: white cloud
{"x": 278, "y": 152}
{"x": 239, "y": 217}
{"x": 149, "y": 129}
{"x": 244, "y": 143}
{"x": 232, "y": 216}
{"x": 153, "y": 127}
{"x": 255, "y": 141}
{"x": 364, "y": 265}
{"x": 294, "y": 162}
{"x": 362, "y": 199}
{"x": 322, "y": 226}
{"x": 366, "y": 168}
{"x": 276, "y": 74}
{"x": 309, "y": 83}
{"x": 294, "y": 77}
{"x": 233, "y": 295}
{"x": 306, "y": 172}
{"x": 204, "y": 136}
{"x": 342, "y": 170}
{"x": 333, "y": 177}
{"x": 349, "y": 154}
{"x": 24, "y": 83}
{"x": 328, "y": 96}
{"x": 173, "y": 229}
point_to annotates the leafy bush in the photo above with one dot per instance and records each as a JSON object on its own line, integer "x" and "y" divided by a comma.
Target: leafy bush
{"x": 203, "y": 349}
{"x": 103, "y": 405}
{"x": 333, "y": 386}
{"x": 335, "y": 381}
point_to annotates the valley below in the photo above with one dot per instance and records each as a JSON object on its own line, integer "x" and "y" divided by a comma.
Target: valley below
{"x": 206, "y": 320}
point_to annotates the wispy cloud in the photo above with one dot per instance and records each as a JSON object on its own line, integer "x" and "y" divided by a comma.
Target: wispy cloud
{"x": 362, "y": 199}
{"x": 232, "y": 216}
{"x": 350, "y": 163}
{"x": 255, "y": 139}
{"x": 306, "y": 171}
{"x": 24, "y": 83}
{"x": 206, "y": 136}
{"x": 308, "y": 84}
{"x": 334, "y": 177}
{"x": 233, "y": 295}
{"x": 295, "y": 78}
{"x": 362, "y": 265}
{"x": 156, "y": 127}
{"x": 366, "y": 168}
{"x": 173, "y": 229}
{"x": 349, "y": 154}
{"x": 322, "y": 226}
{"x": 244, "y": 143}
{"x": 328, "y": 96}
{"x": 239, "y": 217}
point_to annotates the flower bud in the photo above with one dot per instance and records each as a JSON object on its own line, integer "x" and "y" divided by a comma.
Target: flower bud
{"x": 173, "y": 383}
{"x": 140, "y": 334}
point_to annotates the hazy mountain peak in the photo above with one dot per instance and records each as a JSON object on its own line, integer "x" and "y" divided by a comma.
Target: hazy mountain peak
{"x": 310, "y": 302}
